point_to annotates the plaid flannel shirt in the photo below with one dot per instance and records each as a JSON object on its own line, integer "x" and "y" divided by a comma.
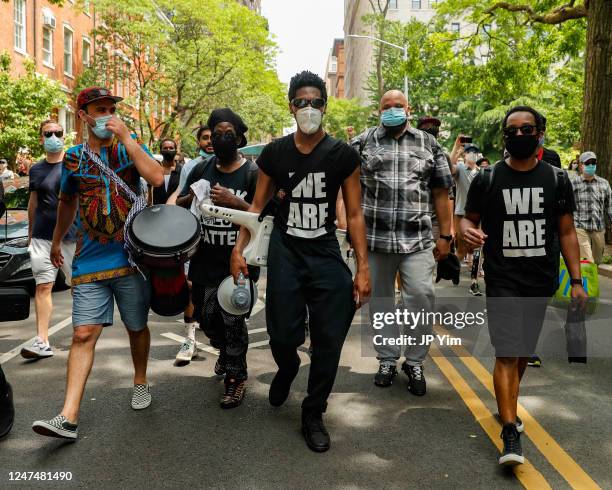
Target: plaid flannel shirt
{"x": 593, "y": 198}
{"x": 397, "y": 178}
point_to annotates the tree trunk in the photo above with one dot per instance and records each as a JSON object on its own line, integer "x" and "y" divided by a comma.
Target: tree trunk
{"x": 597, "y": 114}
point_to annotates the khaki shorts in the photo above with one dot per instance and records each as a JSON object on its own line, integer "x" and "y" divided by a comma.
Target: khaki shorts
{"x": 40, "y": 259}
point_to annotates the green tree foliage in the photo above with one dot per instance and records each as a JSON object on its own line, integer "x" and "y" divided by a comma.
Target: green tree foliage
{"x": 193, "y": 56}
{"x": 25, "y": 102}
{"x": 342, "y": 113}
{"x": 470, "y": 79}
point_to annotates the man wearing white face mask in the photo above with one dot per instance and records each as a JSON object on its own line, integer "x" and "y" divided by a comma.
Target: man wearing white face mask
{"x": 306, "y": 169}
{"x": 405, "y": 178}
{"x": 101, "y": 270}
{"x": 42, "y": 211}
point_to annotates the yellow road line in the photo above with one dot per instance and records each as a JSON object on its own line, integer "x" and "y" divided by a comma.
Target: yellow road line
{"x": 573, "y": 473}
{"x": 565, "y": 465}
{"x": 527, "y": 474}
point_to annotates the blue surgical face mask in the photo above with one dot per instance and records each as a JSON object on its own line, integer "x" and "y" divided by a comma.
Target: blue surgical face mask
{"x": 393, "y": 117}
{"x": 590, "y": 169}
{"x": 53, "y": 144}
{"x": 100, "y": 128}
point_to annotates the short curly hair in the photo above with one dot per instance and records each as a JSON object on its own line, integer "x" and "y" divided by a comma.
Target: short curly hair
{"x": 306, "y": 79}
{"x": 539, "y": 118}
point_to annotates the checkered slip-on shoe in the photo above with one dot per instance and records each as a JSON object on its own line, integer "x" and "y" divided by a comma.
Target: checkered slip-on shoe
{"x": 141, "y": 397}
{"x": 58, "y": 426}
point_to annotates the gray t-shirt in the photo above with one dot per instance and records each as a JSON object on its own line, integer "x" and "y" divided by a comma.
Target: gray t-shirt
{"x": 187, "y": 168}
{"x": 463, "y": 178}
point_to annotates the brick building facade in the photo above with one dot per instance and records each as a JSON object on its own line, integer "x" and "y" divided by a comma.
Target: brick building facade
{"x": 56, "y": 38}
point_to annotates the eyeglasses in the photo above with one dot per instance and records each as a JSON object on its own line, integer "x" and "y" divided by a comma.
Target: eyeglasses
{"x": 528, "y": 129}
{"x": 59, "y": 134}
{"x": 314, "y": 103}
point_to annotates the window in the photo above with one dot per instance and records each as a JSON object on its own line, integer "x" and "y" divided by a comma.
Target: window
{"x": 433, "y": 4}
{"x": 455, "y": 28}
{"x": 86, "y": 51}
{"x": 47, "y": 46}
{"x": 69, "y": 125}
{"x": 333, "y": 67}
{"x": 68, "y": 36}
{"x": 20, "y": 25}
{"x": 393, "y": 4}
{"x": 416, "y": 4}
{"x": 86, "y": 8}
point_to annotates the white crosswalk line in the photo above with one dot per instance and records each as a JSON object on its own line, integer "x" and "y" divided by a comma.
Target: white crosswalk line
{"x": 201, "y": 346}
{"x": 17, "y": 350}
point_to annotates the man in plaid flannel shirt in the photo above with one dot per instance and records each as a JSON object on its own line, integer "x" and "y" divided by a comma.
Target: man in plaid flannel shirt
{"x": 405, "y": 177}
{"x": 593, "y": 199}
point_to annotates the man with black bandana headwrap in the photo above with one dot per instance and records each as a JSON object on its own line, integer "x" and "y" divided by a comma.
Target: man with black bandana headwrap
{"x": 232, "y": 181}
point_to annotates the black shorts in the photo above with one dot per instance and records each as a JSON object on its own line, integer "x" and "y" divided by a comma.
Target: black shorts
{"x": 514, "y": 320}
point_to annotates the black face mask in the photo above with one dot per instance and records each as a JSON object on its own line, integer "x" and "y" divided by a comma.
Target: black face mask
{"x": 434, "y": 131}
{"x": 168, "y": 155}
{"x": 521, "y": 146}
{"x": 225, "y": 146}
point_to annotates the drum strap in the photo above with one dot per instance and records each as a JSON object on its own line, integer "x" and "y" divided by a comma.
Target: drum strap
{"x": 138, "y": 201}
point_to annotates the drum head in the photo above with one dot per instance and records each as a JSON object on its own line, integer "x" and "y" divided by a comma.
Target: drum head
{"x": 164, "y": 229}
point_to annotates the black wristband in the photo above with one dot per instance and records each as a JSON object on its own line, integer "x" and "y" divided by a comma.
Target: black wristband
{"x": 576, "y": 282}
{"x": 448, "y": 238}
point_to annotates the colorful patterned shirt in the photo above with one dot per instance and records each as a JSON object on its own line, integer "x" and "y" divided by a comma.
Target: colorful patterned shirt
{"x": 593, "y": 199}
{"x": 103, "y": 209}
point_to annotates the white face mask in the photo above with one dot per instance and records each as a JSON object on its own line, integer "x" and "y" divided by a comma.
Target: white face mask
{"x": 309, "y": 119}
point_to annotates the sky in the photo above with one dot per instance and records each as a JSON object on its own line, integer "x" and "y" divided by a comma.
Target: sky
{"x": 304, "y": 31}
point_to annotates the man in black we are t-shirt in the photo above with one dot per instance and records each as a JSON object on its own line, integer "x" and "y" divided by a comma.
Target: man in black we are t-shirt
{"x": 305, "y": 267}
{"x": 232, "y": 181}
{"x": 525, "y": 206}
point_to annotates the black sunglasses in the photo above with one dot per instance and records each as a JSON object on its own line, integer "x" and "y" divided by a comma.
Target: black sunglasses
{"x": 59, "y": 134}
{"x": 314, "y": 103}
{"x": 527, "y": 129}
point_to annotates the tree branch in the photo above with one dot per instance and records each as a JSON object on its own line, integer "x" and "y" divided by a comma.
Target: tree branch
{"x": 555, "y": 16}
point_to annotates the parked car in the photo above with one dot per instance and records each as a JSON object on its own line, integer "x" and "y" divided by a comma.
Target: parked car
{"x": 15, "y": 268}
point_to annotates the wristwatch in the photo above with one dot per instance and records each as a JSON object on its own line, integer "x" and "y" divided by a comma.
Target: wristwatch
{"x": 448, "y": 238}
{"x": 576, "y": 282}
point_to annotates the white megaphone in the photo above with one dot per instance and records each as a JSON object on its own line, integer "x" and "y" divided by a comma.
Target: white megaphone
{"x": 239, "y": 298}
{"x": 256, "y": 252}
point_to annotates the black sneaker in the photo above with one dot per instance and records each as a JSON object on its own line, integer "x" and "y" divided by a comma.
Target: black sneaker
{"x": 7, "y": 411}
{"x": 58, "y": 426}
{"x": 280, "y": 387}
{"x": 235, "y": 389}
{"x": 384, "y": 376}
{"x": 315, "y": 433}
{"x": 512, "y": 453}
{"x": 475, "y": 289}
{"x": 416, "y": 379}
{"x": 534, "y": 361}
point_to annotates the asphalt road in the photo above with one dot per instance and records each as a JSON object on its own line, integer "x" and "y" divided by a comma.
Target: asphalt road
{"x": 381, "y": 438}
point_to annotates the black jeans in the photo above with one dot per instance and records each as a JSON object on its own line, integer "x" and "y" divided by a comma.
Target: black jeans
{"x": 308, "y": 273}
{"x": 226, "y": 332}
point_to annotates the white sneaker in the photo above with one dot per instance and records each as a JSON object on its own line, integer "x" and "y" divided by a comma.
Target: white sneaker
{"x": 187, "y": 351}
{"x": 38, "y": 350}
